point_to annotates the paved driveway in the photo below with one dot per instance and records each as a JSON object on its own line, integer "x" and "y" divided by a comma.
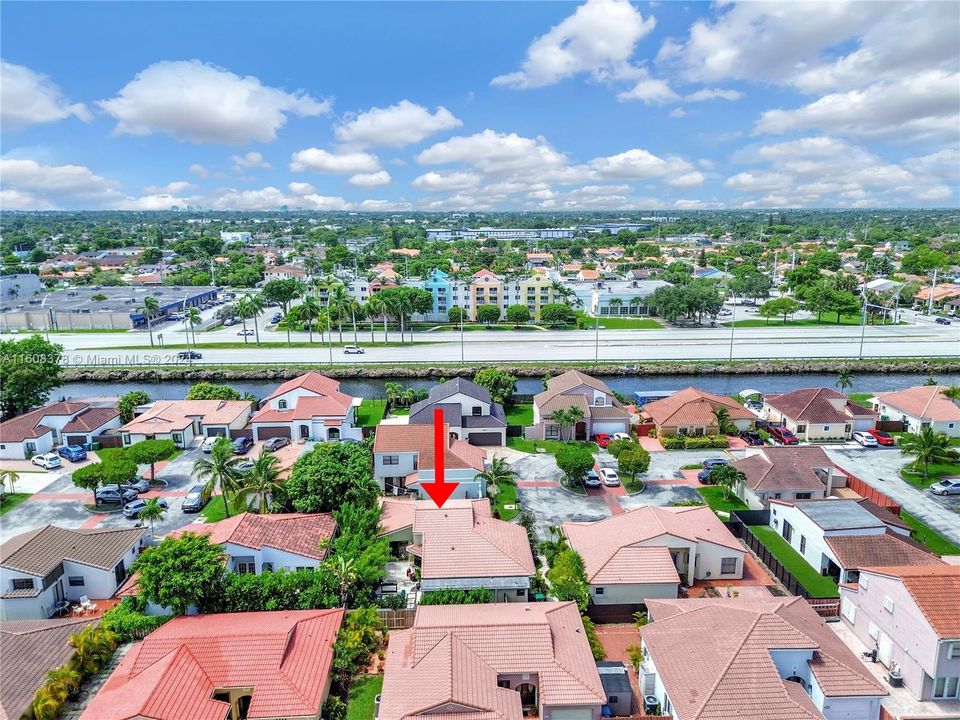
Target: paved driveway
{"x": 662, "y": 495}
{"x": 537, "y": 468}
{"x": 554, "y": 505}
{"x": 667, "y": 464}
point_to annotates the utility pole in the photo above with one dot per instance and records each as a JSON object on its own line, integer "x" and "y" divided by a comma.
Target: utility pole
{"x": 863, "y": 326}
{"x": 329, "y": 330}
{"x": 733, "y": 327}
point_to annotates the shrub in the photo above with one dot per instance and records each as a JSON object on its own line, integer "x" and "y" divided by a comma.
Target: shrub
{"x": 128, "y": 622}
{"x": 457, "y": 597}
{"x": 397, "y": 601}
{"x": 596, "y": 647}
{"x": 764, "y": 435}
{"x": 705, "y": 441}
{"x": 568, "y": 579}
{"x": 672, "y": 442}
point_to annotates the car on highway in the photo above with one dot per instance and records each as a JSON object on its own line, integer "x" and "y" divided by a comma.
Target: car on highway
{"x": 48, "y": 461}
{"x": 610, "y": 477}
{"x": 113, "y": 494}
{"x": 242, "y": 444}
{"x": 194, "y": 500}
{"x": 942, "y": 321}
{"x": 865, "y": 439}
{"x": 352, "y": 350}
{"x": 189, "y": 355}
{"x": 208, "y": 443}
{"x": 275, "y": 443}
{"x": 883, "y": 438}
{"x": 133, "y": 509}
{"x": 950, "y": 486}
{"x": 245, "y": 333}
{"x": 602, "y": 439}
{"x": 782, "y": 435}
{"x": 73, "y": 453}
{"x": 751, "y": 437}
{"x": 139, "y": 483}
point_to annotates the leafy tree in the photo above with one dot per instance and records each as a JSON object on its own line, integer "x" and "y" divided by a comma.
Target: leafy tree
{"x": 456, "y": 315}
{"x": 518, "y": 314}
{"x": 130, "y": 402}
{"x": 30, "y": 369}
{"x": 182, "y": 572}
{"x": 150, "y": 452}
{"x": 117, "y": 471}
{"x": 488, "y": 314}
{"x": 928, "y": 447}
{"x": 923, "y": 260}
{"x": 330, "y": 475}
{"x": 633, "y": 460}
{"x": 574, "y": 461}
{"x": 283, "y": 292}
{"x": 615, "y": 447}
{"x": 212, "y": 391}
{"x": 555, "y": 314}
{"x": 783, "y": 306}
{"x": 219, "y": 470}
{"x": 568, "y": 578}
{"x": 844, "y": 303}
{"x": 499, "y": 383}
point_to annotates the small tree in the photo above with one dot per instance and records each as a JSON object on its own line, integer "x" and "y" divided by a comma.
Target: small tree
{"x": 130, "y": 402}
{"x": 456, "y": 315}
{"x": 518, "y": 314}
{"x": 574, "y": 462}
{"x": 118, "y": 471}
{"x": 726, "y": 477}
{"x": 499, "y": 383}
{"x": 212, "y": 391}
{"x": 182, "y": 572}
{"x": 615, "y": 447}
{"x": 568, "y": 578}
{"x": 498, "y": 473}
{"x": 633, "y": 460}
{"x": 928, "y": 447}
{"x": 151, "y": 512}
{"x": 844, "y": 379}
{"x": 783, "y": 306}
{"x": 488, "y": 314}
{"x": 150, "y": 452}
{"x": 555, "y": 314}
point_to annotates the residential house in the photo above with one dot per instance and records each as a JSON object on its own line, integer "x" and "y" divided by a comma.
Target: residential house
{"x": 754, "y": 659}
{"x": 235, "y": 665}
{"x": 404, "y": 458}
{"x": 539, "y": 259}
{"x": 786, "y": 473}
{"x": 941, "y": 294}
{"x": 648, "y": 552}
{"x": 601, "y": 411}
{"x": 492, "y": 661}
{"x": 284, "y": 272}
{"x": 183, "y": 421}
{"x": 310, "y": 406}
{"x": 818, "y": 414}
{"x": 909, "y": 616}
{"x": 43, "y": 567}
{"x": 40, "y": 430}
{"x": 839, "y": 537}
{"x": 920, "y": 407}
{"x": 694, "y": 412}
{"x": 467, "y": 408}
{"x": 461, "y": 547}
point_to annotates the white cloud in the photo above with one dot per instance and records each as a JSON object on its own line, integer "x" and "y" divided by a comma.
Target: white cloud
{"x": 199, "y": 170}
{"x": 598, "y": 38}
{"x": 156, "y": 201}
{"x": 758, "y": 182}
{"x": 494, "y": 153}
{"x": 248, "y": 161}
{"x": 200, "y": 102}
{"x": 268, "y": 198}
{"x": 72, "y": 180}
{"x": 384, "y": 205}
{"x": 633, "y": 164}
{"x": 301, "y": 188}
{"x": 322, "y": 161}
{"x": 678, "y": 113}
{"x": 326, "y": 202}
{"x": 446, "y": 182}
{"x": 376, "y": 179}
{"x": 650, "y": 90}
{"x": 713, "y": 94}
{"x": 29, "y": 98}
{"x": 697, "y": 205}
{"x": 687, "y": 180}
{"x": 396, "y": 126}
{"x": 171, "y": 188}
{"x": 23, "y": 200}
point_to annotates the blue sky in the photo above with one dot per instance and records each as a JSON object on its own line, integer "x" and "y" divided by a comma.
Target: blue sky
{"x": 443, "y": 106}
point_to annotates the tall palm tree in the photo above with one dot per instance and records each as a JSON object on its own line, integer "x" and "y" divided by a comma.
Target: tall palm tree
{"x": 11, "y": 477}
{"x": 256, "y": 307}
{"x": 149, "y": 307}
{"x": 724, "y": 424}
{"x": 152, "y": 511}
{"x": 616, "y": 303}
{"x": 193, "y": 319}
{"x": 339, "y": 302}
{"x": 219, "y": 470}
{"x": 498, "y": 473}
{"x": 844, "y": 379}
{"x": 635, "y": 302}
{"x": 378, "y": 307}
{"x": 356, "y": 311}
{"x": 242, "y": 309}
{"x": 393, "y": 391}
{"x": 928, "y": 447}
{"x": 574, "y": 415}
{"x": 344, "y": 572}
{"x": 263, "y": 480}
{"x": 559, "y": 417}
{"x": 307, "y": 312}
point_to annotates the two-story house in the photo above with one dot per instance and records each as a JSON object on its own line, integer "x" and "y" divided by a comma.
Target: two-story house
{"x": 786, "y": 473}
{"x": 467, "y": 408}
{"x": 404, "y": 457}
{"x": 42, "y": 568}
{"x": 308, "y": 407}
{"x": 920, "y": 407}
{"x": 600, "y": 411}
{"x": 818, "y": 414}
{"x": 909, "y": 616}
{"x": 40, "y": 430}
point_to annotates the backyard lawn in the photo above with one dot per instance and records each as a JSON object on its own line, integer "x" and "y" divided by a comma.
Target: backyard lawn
{"x": 11, "y": 500}
{"x": 507, "y": 496}
{"x": 370, "y": 412}
{"x": 213, "y": 512}
{"x": 926, "y": 535}
{"x": 399, "y": 411}
{"x": 814, "y": 582}
{"x": 714, "y": 497}
{"x": 861, "y": 399}
{"x": 550, "y": 446}
{"x": 520, "y": 414}
{"x": 364, "y": 691}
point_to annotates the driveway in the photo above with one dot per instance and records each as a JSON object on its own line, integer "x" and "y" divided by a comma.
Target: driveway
{"x": 667, "y": 464}
{"x": 662, "y": 495}
{"x": 554, "y": 505}
{"x": 540, "y": 467}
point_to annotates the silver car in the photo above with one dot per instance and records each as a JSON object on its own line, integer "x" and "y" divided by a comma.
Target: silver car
{"x": 950, "y": 486}
{"x": 591, "y": 479}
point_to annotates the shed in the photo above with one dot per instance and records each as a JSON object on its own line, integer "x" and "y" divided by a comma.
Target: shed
{"x": 616, "y": 686}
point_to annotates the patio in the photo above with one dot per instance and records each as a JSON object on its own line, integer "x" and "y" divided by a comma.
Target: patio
{"x": 76, "y": 611}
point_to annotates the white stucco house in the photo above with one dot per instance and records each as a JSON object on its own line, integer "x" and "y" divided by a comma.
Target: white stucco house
{"x": 183, "y": 421}
{"x": 818, "y": 414}
{"x": 920, "y": 407}
{"x": 61, "y": 423}
{"x": 308, "y": 407}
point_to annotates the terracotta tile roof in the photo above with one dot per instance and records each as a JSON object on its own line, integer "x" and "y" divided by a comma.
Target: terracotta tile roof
{"x": 313, "y": 381}
{"x": 926, "y": 401}
{"x": 335, "y": 405}
{"x": 397, "y": 514}
{"x": 419, "y": 439}
{"x": 39, "y": 551}
{"x": 889, "y": 548}
{"x": 563, "y": 402}
{"x": 817, "y": 405}
{"x": 589, "y": 275}
{"x": 28, "y": 649}
{"x": 171, "y": 415}
{"x": 172, "y": 674}
{"x": 29, "y": 424}
{"x": 297, "y": 533}
{"x": 775, "y": 469}
{"x": 568, "y": 381}
{"x": 453, "y": 654}
{"x": 935, "y": 589}
{"x": 608, "y": 412}
{"x": 693, "y": 407}
{"x": 730, "y": 640}
{"x": 613, "y": 542}
{"x": 90, "y": 419}
{"x": 461, "y": 543}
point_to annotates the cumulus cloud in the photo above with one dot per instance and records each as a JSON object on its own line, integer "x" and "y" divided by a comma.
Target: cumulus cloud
{"x": 301, "y": 188}
{"x": 494, "y": 153}
{"x": 70, "y": 181}
{"x": 446, "y": 182}
{"x": 384, "y": 205}
{"x": 713, "y": 94}
{"x": 200, "y": 102}
{"x": 248, "y": 161}
{"x": 24, "y": 200}
{"x": 650, "y": 90}
{"x": 29, "y": 98}
{"x": 323, "y": 161}
{"x": 598, "y": 38}
{"x": 677, "y": 113}
{"x": 396, "y": 126}
{"x": 376, "y": 179}
{"x": 171, "y": 188}
{"x": 199, "y": 170}
{"x": 693, "y": 178}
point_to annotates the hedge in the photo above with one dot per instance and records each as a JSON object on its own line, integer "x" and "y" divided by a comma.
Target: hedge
{"x": 128, "y": 622}
{"x": 476, "y": 596}
{"x": 687, "y": 442}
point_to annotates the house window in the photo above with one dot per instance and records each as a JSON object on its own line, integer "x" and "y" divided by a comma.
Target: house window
{"x": 23, "y": 583}
{"x": 864, "y": 582}
{"x": 282, "y": 404}
{"x": 950, "y": 426}
{"x": 776, "y": 496}
{"x": 803, "y": 496}
{"x": 953, "y": 650}
{"x": 728, "y": 566}
{"x": 598, "y": 591}
{"x": 945, "y": 688}
{"x": 887, "y": 604}
{"x": 521, "y": 592}
{"x": 801, "y": 429}
{"x": 552, "y": 432}
{"x": 599, "y": 401}
{"x": 246, "y": 568}
{"x": 391, "y": 459}
{"x": 477, "y": 410}
{"x": 846, "y": 429}
{"x": 613, "y": 699}
{"x": 178, "y": 438}
{"x": 826, "y": 428}
{"x": 76, "y": 581}
{"x": 803, "y": 544}
{"x": 873, "y": 631}
{"x": 503, "y": 684}
{"x": 126, "y": 438}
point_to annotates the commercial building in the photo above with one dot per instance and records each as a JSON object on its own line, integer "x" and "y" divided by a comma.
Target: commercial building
{"x": 14, "y": 288}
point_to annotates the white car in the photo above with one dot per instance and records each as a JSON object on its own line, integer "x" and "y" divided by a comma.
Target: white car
{"x": 865, "y": 439}
{"x": 591, "y": 479}
{"x": 207, "y": 445}
{"x": 352, "y": 350}
{"x": 47, "y": 461}
{"x": 610, "y": 477}
{"x": 621, "y": 436}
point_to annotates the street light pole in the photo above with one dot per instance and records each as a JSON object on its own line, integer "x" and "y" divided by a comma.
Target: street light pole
{"x": 329, "y": 330}
{"x": 733, "y": 326}
{"x": 461, "y": 336}
{"x": 596, "y": 339}
{"x": 863, "y": 326}
{"x": 48, "y": 321}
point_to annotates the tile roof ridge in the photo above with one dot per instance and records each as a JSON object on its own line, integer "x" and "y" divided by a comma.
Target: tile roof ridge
{"x": 479, "y": 520}
{"x": 935, "y": 391}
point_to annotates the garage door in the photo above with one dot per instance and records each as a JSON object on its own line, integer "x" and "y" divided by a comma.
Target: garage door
{"x": 486, "y": 439}
{"x": 75, "y": 439}
{"x": 269, "y": 432}
{"x": 215, "y": 431}
{"x": 571, "y": 714}
{"x": 609, "y": 427}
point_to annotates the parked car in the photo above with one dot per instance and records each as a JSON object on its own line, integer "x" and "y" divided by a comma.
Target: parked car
{"x": 244, "y": 466}
{"x": 621, "y": 436}
{"x": 602, "y": 439}
{"x": 133, "y": 509}
{"x": 189, "y": 355}
{"x": 140, "y": 484}
{"x": 865, "y": 439}
{"x": 883, "y": 438}
{"x": 782, "y": 435}
{"x": 242, "y": 444}
{"x": 275, "y": 443}
{"x": 113, "y": 494}
{"x": 950, "y": 486}
{"x": 73, "y": 453}
{"x": 194, "y": 500}
{"x": 208, "y": 443}
{"x": 352, "y": 350}
{"x": 725, "y": 312}
{"x": 942, "y": 321}
{"x": 751, "y": 437}
{"x": 47, "y": 461}
{"x": 610, "y": 477}
{"x": 245, "y": 333}
{"x": 591, "y": 479}
{"x": 230, "y": 321}
{"x": 277, "y": 317}
{"x": 711, "y": 463}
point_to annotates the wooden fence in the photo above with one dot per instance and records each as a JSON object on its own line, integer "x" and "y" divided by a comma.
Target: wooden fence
{"x": 397, "y": 619}
{"x": 870, "y": 493}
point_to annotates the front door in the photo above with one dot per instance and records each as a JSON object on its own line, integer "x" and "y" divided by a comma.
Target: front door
{"x": 580, "y": 432}
{"x": 884, "y": 648}
{"x": 528, "y": 695}
{"x": 304, "y": 431}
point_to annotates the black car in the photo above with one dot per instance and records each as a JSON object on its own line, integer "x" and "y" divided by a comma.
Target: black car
{"x": 189, "y": 355}
{"x": 194, "y": 500}
{"x": 242, "y": 444}
{"x": 942, "y": 321}
{"x": 113, "y": 494}
{"x": 751, "y": 437}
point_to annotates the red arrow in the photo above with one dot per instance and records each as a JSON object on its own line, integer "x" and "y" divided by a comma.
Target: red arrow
{"x": 439, "y": 490}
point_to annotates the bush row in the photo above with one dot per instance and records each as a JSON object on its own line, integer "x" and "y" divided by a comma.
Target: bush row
{"x": 686, "y": 442}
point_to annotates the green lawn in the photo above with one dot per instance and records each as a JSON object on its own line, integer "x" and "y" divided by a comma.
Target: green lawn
{"x": 476, "y": 328}
{"x": 814, "y": 582}
{"x": 11, "y": 500}
{"x": 520, "y": 414}
{"x": 213, "y": 512}
{"x": 714, "y": 497}
{"x": 507, "y": 496}
{"x": 399, "y": 411}
{"x": 370, "y": 412}
{"x": 362, "y": 695}
{"x": 861, "y": 399}
{"x": 937, "y": 472}
{"x": 624, "y": 323}
{"x": 550, "y": 446}
{"x": 929, "y": 537}
{"x": 762, "y": 322}
{"x": 108, "y": 454}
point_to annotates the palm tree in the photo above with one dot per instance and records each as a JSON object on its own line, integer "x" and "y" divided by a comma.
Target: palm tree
{"x": 307, "y": 312}
{"x": 844, "y": 379}
{"x": 344, "y": 573}
{"x": 355, "y": 309}
{"x": 219, "y": 470}
{"x": 498, "y": 473}
{"x": 724, "y": 424}
{"x": 635, "y": 302}
{"x": 378, "y": 307}
{"x": 367, "y": 313}
{"x": 193, "y": 319}
{"x": 11, "y": 477}
{"x": 153, "y": 510}
{"x": 338, "y": 303}
{"x": 62, "y": 682}
{"x": 93, "y": 648}
{"x": 616, "y": 303}
{"x": 256, "y": 306}
{"x": 46, "y": 706}
{"x": 243, "y": 310}
{"x": 560, "y": 418}
{"x": 928, "y": 447}
{"x": 952, "y": 393}
{"x": 150, "y": 306}
{"x": 393, "y": 391}
{"x": 263, "y": 480}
